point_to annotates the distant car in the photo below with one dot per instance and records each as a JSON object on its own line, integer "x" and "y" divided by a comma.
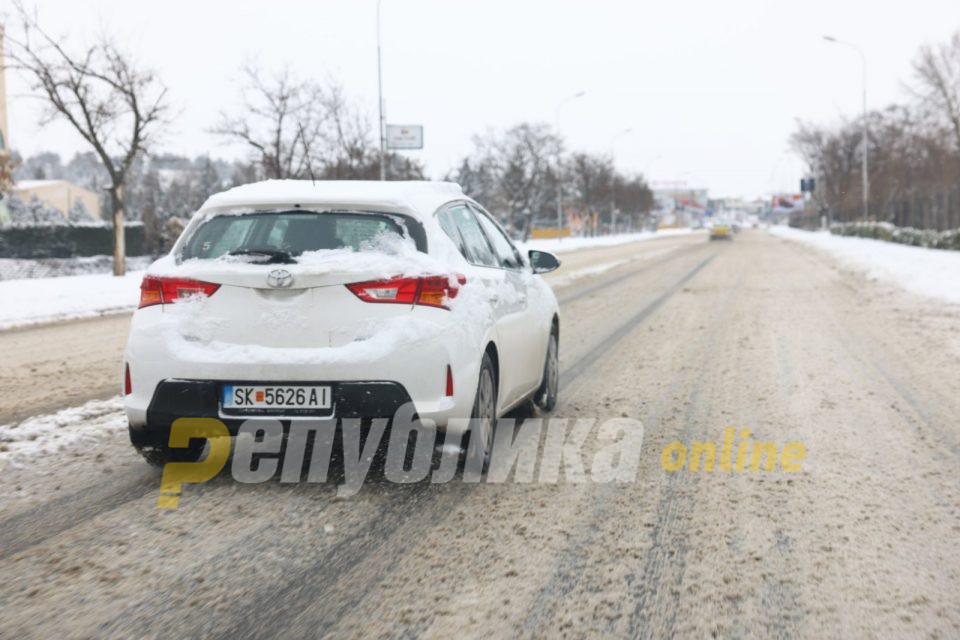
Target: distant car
{"x": 721, "y": 231}
{"x": 296, "y": 300}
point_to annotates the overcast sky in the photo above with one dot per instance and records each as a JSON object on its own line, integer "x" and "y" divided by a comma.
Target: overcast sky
{"x": 711, "y": 90}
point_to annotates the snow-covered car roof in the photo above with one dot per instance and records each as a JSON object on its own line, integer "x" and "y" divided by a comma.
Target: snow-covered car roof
{"x": 413, "y": 197}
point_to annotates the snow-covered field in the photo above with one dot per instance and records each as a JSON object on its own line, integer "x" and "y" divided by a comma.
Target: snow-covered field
{"x": 927, "y": 272}
{"x": 38, "y": 300}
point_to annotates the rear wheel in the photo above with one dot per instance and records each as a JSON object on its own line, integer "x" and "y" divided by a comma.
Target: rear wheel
{"x": 484, "y": 415}
{"x": 546, "y": 396}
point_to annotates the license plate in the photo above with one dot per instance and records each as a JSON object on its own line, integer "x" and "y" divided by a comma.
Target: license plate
{"x": 281, "y": 397}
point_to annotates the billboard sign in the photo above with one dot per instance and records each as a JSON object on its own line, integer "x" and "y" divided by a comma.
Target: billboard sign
{"x": 404, "y": 136}
{"x": 788, "y": 203}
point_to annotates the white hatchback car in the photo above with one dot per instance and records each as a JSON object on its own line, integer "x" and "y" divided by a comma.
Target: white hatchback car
{"x": 299, "y": 300}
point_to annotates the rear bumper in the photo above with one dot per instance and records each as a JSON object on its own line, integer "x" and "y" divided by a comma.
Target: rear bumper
{"x": 170, "y": 382}
{"x": 174, "y": 399}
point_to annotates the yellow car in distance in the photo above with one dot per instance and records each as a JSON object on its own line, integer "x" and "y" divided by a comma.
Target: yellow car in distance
{"x": 721, "y": 231}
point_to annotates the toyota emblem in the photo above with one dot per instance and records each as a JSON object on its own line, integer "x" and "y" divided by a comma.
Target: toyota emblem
{"x": 280, "y": 279}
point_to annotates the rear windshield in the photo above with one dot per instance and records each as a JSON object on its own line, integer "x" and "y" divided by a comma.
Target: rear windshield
{"x": 288, "y": 233}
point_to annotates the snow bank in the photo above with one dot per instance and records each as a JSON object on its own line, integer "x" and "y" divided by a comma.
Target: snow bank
{"x": 927, "y": 272}
{"x": 47, "y": 299}
{"x": 566, "y": 245}
{"x": 51, "y": 433}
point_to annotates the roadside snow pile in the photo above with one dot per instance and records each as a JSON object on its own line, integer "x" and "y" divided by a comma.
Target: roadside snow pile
{"x": 575, "y": 244}
{"x": 927, "y": 272}
{"x": 927, "y": 238}
{"x": 38, "y": 300}
{"x": 51, "y": 433}
{"x": 17, "y": 268}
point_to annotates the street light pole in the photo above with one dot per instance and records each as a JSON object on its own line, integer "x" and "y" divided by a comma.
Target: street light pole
{"x": 579, "y": 94}
{"x": 382, "y": 122}
{"x": 613, "y": 179}
{"x": 864, "y": 168}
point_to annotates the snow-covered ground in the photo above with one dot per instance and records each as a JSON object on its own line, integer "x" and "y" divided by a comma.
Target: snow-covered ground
{"x": 18, "y": 269}
{"x": 927, "y": 272}
{"x": 38, "y": 300}
{"x": 48, "y": 434}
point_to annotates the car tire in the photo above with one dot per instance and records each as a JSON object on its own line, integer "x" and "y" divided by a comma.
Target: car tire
{"x": 546, "y": 396}
{"x": 483, "y": 417}
{"x": 158, "y": 454}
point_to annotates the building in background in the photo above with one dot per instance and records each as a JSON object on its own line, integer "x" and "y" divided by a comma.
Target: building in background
{"x": 58, "y": 194}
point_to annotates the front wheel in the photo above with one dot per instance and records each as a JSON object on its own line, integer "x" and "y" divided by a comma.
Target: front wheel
{"x": 546, "y": 396}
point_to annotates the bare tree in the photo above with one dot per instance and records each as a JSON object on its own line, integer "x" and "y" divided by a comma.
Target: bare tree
{"x": 115, "y": 106}
{"x": 936, "y": 70}
{"x": 303, "y": 129}
{"x": 914, "y": 169}
{"x": 591, "y": 177}
{"x": 281, "y": 122}
{"x": 513, "y": 173}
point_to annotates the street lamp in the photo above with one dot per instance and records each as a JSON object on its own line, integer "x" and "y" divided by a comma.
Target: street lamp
{"x": 613, "y": 179}
{"x": 382, "y": 122}
{"x": 579, "y": 94}
{"x": 864, "y": 172}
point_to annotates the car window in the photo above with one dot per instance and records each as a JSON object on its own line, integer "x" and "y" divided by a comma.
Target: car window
{"x": 446, "y": 223}
{"x": 476, "y": 248}
{"x": 506, "y": 253}
{"x": 293, "y": 232}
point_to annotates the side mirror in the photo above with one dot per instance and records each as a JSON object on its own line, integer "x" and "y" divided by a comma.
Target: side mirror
{"x": 543, "y": 262}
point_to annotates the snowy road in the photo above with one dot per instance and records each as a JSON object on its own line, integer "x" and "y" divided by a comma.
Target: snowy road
{"x": 688, "y": 336}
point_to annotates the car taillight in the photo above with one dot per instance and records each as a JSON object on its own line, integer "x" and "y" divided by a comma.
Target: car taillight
{"x": 431, "y": 291}
{"x": 154, "y": 290}
{"x": 127, "y": 384}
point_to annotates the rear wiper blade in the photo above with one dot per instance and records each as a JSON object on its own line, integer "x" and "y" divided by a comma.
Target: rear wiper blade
{"x": 274, "y": 256}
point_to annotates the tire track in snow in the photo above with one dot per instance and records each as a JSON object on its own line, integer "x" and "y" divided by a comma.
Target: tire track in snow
{"x": 314, "y": 591}
{"x": 29, "y": 528}
{"x": 44, "y": 521}
{"x": 569, "y": 566}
